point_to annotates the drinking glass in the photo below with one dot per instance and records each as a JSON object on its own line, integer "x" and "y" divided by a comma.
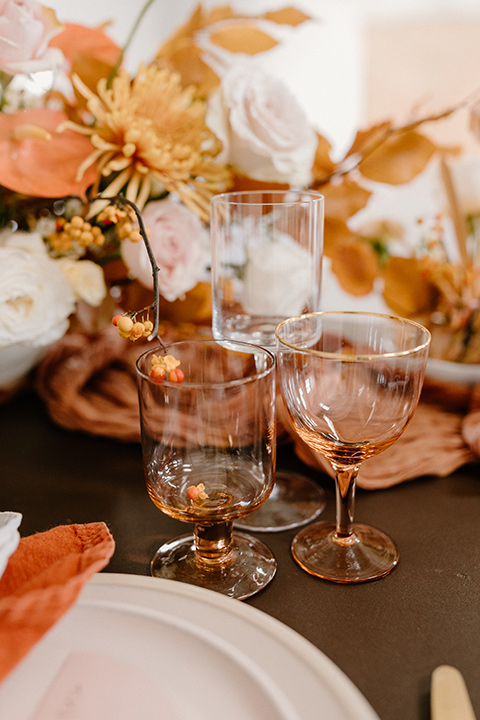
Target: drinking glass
{"x": 266, "y": 266}
{"x": 350, "y": 383}
{"x": 208, "y": 445}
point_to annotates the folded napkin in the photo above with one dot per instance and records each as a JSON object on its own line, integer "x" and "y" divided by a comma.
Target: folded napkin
{"x": 42, "y": 581}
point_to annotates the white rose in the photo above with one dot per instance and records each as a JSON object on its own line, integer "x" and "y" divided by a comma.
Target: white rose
{"x": 86, "y": 278}
{"x": 35, "y": 297}
{"x": 266, "y": 134}
{"x": 277, "y": 278}
{"x": 180, "y": 244}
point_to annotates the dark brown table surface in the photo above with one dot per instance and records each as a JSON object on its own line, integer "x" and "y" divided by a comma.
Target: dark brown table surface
{"x": 387, "y": 636}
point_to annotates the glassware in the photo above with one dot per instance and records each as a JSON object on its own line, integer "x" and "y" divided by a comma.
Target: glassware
{"x": 266, "y": 266}
{"x": 208, "y": 445}
{"x": 350, "y": 383}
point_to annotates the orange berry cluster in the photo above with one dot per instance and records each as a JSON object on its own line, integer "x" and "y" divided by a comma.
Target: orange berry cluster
{"x": 75, "y": 232}
{"x": 165, "y": 367}
{"x": 197, "y": 492}
{"x": 122, "y": 220}
{"x": 132, "y": 329}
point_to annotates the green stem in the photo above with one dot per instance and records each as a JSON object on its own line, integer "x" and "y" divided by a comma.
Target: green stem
{"x": 130, "y": 37}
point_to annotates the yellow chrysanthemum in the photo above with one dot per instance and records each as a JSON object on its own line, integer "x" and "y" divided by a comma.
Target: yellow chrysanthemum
{"x": 151, "y": 129}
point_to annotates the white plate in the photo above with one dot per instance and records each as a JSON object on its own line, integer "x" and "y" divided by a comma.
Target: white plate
{"x": 204, "y": 655}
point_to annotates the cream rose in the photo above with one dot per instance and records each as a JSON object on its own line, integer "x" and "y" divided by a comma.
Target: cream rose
{"x": 265, "y": 133}
{"x": 26, "y": 27}
{"x": 180, "y": 244}
{"x": 86, "y": 279}
{"x": 35, "y": 297}
{"x": 277, "y": 276}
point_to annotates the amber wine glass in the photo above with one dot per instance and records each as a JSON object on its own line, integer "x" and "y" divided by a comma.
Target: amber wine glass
{"x": 208, "y": 445}
{"x": 350, "y": 383}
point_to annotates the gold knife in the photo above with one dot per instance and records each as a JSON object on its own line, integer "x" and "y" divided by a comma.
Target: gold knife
{"x": 449, "y": 698}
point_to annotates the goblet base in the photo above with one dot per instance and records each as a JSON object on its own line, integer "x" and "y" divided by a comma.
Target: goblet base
{"x": 367, "y": 554}
{"x": 248, "y": 568}
{"x": 294, "y": 501}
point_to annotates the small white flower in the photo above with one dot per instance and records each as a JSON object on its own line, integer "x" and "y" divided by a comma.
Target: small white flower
{"x": 86, "y": 278}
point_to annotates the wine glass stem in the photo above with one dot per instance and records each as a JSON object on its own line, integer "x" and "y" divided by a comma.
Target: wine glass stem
{"x": 345, "y": 484}
{"x": 213, "y": 543}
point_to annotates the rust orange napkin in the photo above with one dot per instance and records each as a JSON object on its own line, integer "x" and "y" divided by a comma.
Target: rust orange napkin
{"x": 42, "y": 581}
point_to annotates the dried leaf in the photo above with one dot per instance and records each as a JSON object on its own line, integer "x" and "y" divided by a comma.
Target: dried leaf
{"x": 406, "y": 291}
{"x": 244, "y": 38}
{"x": 240, "y": 182}
{"x": 90, "y": 70}
{"x": 369, "y": 138}
{"x": 186, "y": 59}
{"x": 399, "y": 159}
{"x": 336, "y": 233}
{"x": 323, "y": 166}
{"x": 218, "y": 14}
{"x": 287, "y": 16}
{"x": 345, "y": 199}
{"x": 356, "y": 266}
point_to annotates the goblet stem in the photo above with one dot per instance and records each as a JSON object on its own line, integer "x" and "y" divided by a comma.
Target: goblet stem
{"x": 214, "y": 543}
{"x": 345, "y": 484}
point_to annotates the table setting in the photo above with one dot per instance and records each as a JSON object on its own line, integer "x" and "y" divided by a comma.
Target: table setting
{"x": 224, "y": 492}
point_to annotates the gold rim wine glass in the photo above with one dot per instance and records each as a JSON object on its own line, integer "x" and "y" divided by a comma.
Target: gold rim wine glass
{"x": 350, "y": 383}
{"x": 208, "y": 445}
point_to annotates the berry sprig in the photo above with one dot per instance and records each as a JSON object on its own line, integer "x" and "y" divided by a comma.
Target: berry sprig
{"x": 129, "y": 327}
{"x": 75, "y": 234}
{"x": 123, "y": 219}
{"x": 165, "y": 367}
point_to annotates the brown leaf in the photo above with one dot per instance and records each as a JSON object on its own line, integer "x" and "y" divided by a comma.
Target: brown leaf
{"x": 323, "y": 166}
{"x": 287, "y": 16}
{"x": 219, "y": 14}
{"x": 399, "y": 159}
{"x": 243, "y": 39}
{"x": 90, "y": 70}
{"x": 187, "y": 60}
{"x": 369, "y": 138}
{"x": 356, "y": 266}
{"x": 345, "y": 199}
{"x": 240, "y": 183}
{"x": 406, "y": 291}
{"x": 336, "y": 233}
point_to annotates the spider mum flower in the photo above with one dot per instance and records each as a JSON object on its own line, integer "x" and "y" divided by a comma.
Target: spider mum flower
{"x": 149, "y": 130}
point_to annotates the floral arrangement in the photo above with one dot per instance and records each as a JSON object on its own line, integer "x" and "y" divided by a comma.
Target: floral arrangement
{"x": 197, "y": 119}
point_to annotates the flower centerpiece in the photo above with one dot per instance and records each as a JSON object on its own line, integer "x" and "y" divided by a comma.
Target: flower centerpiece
{"x": 198, "y": 118}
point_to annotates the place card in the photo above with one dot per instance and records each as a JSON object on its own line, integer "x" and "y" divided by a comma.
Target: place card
{"x": 96, "y": 687}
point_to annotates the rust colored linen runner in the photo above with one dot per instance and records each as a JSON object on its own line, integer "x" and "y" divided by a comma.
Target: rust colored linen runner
{"x": 88, "y": 384}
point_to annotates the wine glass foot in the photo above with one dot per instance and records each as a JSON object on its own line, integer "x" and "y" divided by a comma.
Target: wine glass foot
{"x": 294, "y": 501}
{"x": 368, "y": 554}
{"x": 249, "y": 568}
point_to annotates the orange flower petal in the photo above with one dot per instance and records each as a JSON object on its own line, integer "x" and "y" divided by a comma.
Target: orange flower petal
{"x": 39, "y": 167}
{"x": 86, "y": 41}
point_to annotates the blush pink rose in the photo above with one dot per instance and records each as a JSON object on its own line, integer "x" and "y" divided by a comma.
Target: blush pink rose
{"x": 180, "y": 244}
{"x": 26, "y": 28}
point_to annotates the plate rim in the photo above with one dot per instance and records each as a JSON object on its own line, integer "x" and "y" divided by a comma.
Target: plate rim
{"x": 307, "y": 652}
